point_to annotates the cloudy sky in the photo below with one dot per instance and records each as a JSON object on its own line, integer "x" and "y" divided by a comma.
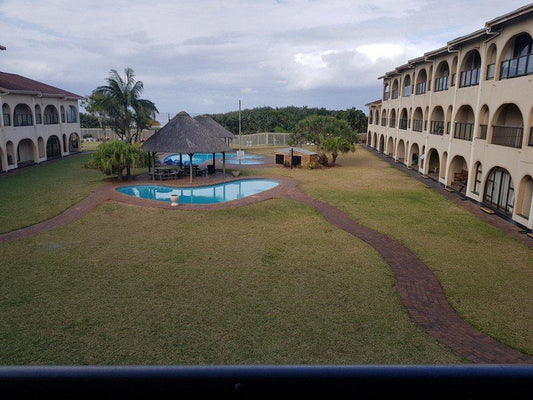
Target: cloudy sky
{"x": 203, "y": 55}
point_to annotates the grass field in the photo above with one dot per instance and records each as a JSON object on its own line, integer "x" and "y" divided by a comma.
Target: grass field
{"x": 266, "y": 283}
{"x": 486, "y": 274}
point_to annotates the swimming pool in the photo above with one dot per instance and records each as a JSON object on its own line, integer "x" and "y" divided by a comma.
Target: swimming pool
{"x": 202, "y": 194}
{"x": 199, "y": 158}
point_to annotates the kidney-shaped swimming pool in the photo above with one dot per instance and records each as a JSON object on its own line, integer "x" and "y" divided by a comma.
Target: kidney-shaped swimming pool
{"x": 202, "y": 194}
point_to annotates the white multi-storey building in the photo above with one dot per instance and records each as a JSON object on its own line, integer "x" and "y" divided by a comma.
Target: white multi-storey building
{"x": 39, "y": 122}
{"x": 463, "y": 115}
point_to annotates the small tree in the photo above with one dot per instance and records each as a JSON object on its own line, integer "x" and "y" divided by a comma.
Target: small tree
{"x": 114, "y": 156}
{"x": 329, "y": 134}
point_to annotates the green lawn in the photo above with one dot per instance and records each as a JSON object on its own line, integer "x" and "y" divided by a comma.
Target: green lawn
{"x": 486, "y": 274}
{"x": 32, "y": 195}
{"x": 267, "y": 283}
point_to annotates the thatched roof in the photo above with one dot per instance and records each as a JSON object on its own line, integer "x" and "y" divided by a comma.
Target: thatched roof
{"x": 214, "y": 127}
{"x": 183, "y": 134}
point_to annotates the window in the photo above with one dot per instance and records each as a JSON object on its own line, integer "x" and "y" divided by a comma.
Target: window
{"x": 471, "y": 70}
{"x": 407, "y": 86}
{"x": 522, "y": 61}
{"x": 477, "y": 180}
{"x": 499, "y": 190}
{"x": 72, "y": 114}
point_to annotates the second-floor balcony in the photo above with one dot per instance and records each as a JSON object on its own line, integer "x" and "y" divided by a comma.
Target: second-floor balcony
{"x": 469, "y": 78}
{"x": 23, "y": 120}
{"x": 392, "y": 123}
{"x": 509, "y": 136}
{"x": 491, "y": 71}
{"x": 386, "y": 95}
{"x": 7, "y": 119}
{"x": 383, "y": 121}
{"x": 418, "y": 125}
{"x": 437, "y": 128}
{"x": 403, "y": 123}
{"x": 441, "y": 84}
{"x": 463, "y": 131}
{"x": 421, "y": 88}
{"x": 394, "y": 94}
{"x": 515, "y": 67}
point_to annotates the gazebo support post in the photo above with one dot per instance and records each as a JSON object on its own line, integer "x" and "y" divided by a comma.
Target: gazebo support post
{"x": 213, "y": 162}
{"x": 153, "y": 166}
{"x": 224, "y": 165}
{"x": 181, "y": 161}
{"x": 190, "y": 166}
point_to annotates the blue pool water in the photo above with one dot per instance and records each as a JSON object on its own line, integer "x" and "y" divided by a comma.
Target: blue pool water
{"x": 202, "y": 194}
{"x": 199, "y": 158}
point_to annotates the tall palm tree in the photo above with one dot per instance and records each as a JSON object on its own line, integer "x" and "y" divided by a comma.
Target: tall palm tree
{"x": 120, "y": 101}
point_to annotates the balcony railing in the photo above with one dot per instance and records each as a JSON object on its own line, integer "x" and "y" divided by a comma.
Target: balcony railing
{"x": 392, "y": 123}
{"x": 403, "y": 123}
{"x": 383, "y": 121}
{"x": 441, "y": 84}
{"x": 491, "y": 71}
{"x": 483, "y": 131}
{"x": 50, "y": 119}
{"x": 421, "y": 88}
{"x": 519, "y": 66}
{"x": 510, "y": 136}
{"x": 23, "y": 119}
{"x": 530, "y": 141}
{"x": 395, "y": 94}
{"x": 417, "y": 125}
{"x": 407, "y": 91}
{"x": 463, "y": 130}
{"x": 386, "y": 95}
{"x": 437, "y": 128}
{"x": 469, "y": 78}
{"x": 7, "y": 120}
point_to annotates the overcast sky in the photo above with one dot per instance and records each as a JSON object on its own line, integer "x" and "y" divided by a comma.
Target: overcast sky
{"x": 202, "y": 56}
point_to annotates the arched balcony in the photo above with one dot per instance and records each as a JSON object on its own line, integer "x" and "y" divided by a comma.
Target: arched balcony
{"x": 491, "y": 61}
{"x": 470, "y": 69}
{"x": 464, "y": 123}
{"x": 517, "y": 57}
{"x": 437, "y": 121}
{"x": 407, "y": 86}
{"x": 441, "y": 80}
{"x": 403, "y": 119}
{"x": 499, "y": 191}
{"x": 421, "y": 82}
{"x": 51, "y": 116}
{"x": 418, "y": 120}
{"x": 508, "y": 126}
{"x": 22, "y": 115}
{"x": 483, "y": 122}
{"x": 392, "y": 118}
{"x": 6, "y": 114}
{"x": 72, "y": 115}
{"x": 394, "y": 93}
{"x": 384, "y": 118}
{"x": 386, "y": 91}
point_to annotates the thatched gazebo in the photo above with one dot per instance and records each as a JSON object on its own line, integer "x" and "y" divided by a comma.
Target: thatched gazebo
{"x": 184, "y": 134}
{"x": 215, "y": 129}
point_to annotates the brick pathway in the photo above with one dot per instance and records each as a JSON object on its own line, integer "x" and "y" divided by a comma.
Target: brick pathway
{"x": 420, "y": 292}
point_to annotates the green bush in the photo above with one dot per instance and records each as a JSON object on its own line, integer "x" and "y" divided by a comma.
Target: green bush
{"x": 114, "y": 156}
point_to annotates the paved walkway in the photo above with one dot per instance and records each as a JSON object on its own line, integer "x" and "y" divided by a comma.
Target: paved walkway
{"x": 420, "y": 290}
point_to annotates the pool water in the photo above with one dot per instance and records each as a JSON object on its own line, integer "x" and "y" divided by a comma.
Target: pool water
{"x": 202, "y": 194}
{"x": 199, "y": 158}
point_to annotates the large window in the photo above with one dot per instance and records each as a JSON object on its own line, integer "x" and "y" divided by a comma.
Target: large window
{"x": 22, "y": 115}
{"x": 477, "y": 178}
{"x": 51, "y": 116}
{"x": 72, "y": 114}
{"x": 521, "y": 62}
{"x": 470, "y": 71}
{"x": 407, "y": 86}
{"x": 499, "y": 190}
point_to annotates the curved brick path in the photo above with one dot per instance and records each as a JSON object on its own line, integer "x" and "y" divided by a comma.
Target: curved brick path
{"x": 421, "y": 293}
{"x": 420, "y": 290}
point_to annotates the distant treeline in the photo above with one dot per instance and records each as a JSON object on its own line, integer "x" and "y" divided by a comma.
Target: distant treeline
{"x": 283, "y": 119}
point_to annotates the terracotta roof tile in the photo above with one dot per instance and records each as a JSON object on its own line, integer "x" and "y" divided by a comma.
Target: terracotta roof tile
{"x": 14, "y": 82}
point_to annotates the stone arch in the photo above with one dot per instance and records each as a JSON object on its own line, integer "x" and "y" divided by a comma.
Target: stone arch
{"x": 40, "y": 147}
{"x": 22, "y": 115}
{"x": 26, "y": 152}
{"x": 458, "y": 173}
{"x": 414, "y": 156}
{"x": 443, "y": 164}
{"x": 74, "y": 143}
{"x": 53, "y": 147}
{"x": 525, "y": 195}
{"x": 507, "y": 126}
{"x": 10, "y": 153}
{"x": 390, "y": 147}
{"x": 432, "y": 164}
{"x": 499, "y": 190}
{"x": 400, "y": 151}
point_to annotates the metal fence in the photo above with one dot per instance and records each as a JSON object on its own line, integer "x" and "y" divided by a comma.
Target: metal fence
{"x": 263, "y": 139}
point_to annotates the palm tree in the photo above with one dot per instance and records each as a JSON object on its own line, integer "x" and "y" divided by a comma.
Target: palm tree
{"x": 120, "y": 101}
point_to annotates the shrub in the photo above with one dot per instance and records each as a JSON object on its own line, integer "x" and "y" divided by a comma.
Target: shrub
{"x": 87, "y": 135}
{"x": 286, "y": 164}
{"x": 114, "y": 156}
{"x": 313, "y": 165}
